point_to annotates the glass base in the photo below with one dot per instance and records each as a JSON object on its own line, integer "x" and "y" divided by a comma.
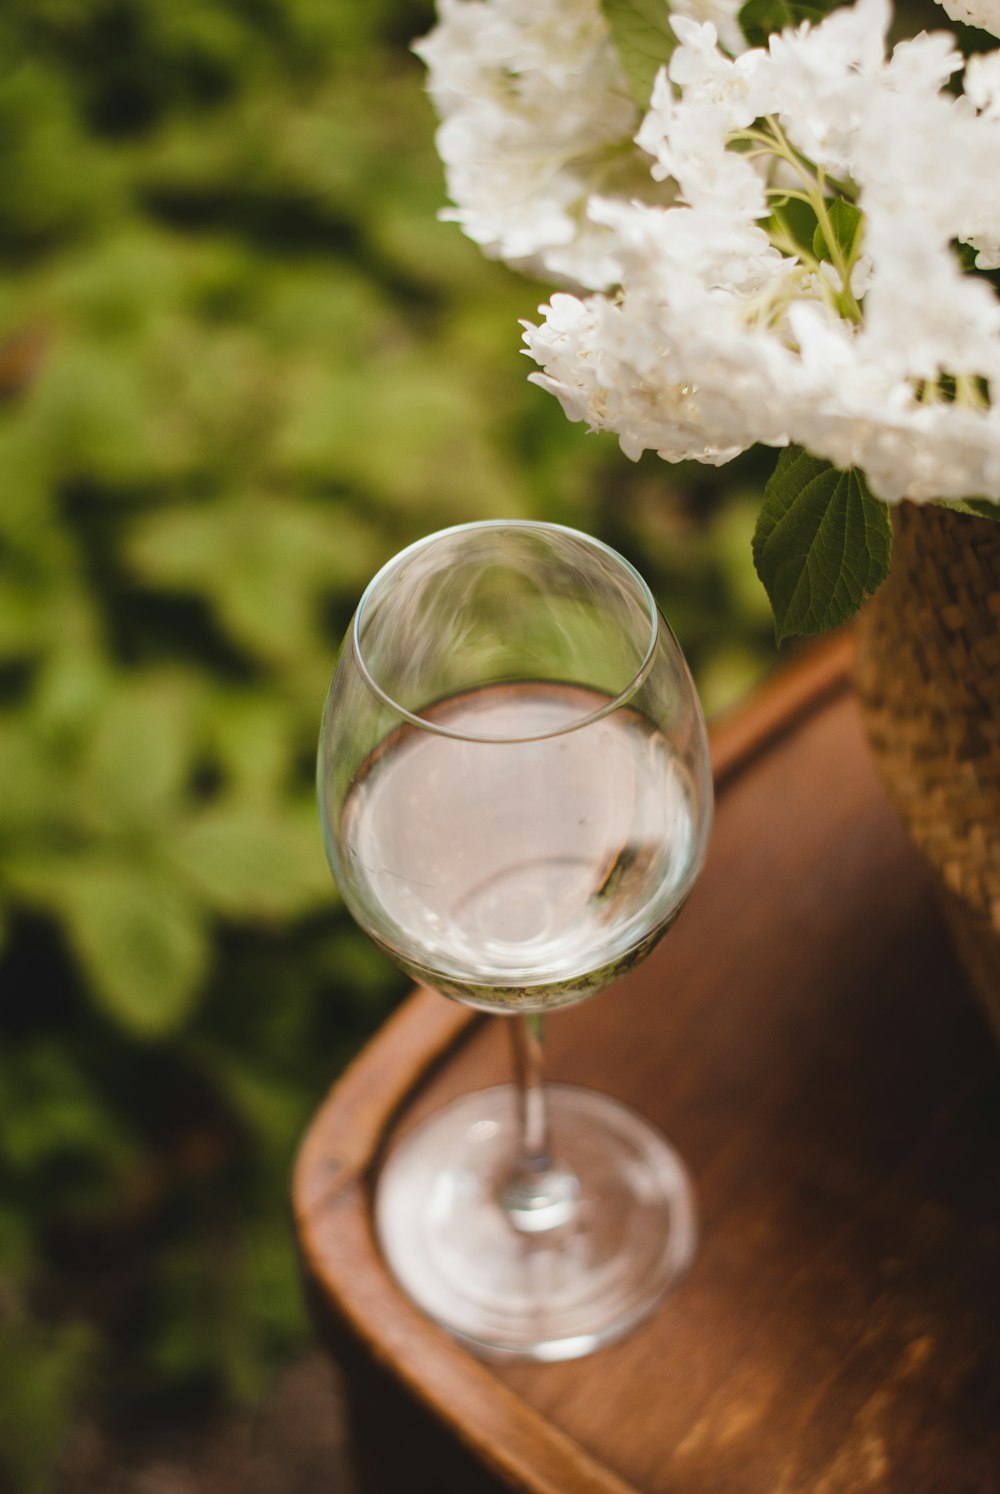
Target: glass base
{"x": 524, "y": 1292}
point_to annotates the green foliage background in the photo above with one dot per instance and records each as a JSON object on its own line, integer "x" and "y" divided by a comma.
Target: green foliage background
{"x": 241, "y": 364}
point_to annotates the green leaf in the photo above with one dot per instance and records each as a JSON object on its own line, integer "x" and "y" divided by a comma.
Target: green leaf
{"x": 796, "y": 219}
{"x": 71, "y": 688}
{"x": 978, "y": 508}
{"x": 262, "y": 560}
{"x": 246, "y": 863}
{"x": 846, "y": 221}
{"x": 44, "y": 1372}
{"x": 270, "y": 1106}
{"x": 40, "y": 792}
{"x": 52, "y": 1109}
{"x": 254, "y": 735}
{"x": 139, "y": 756}
{"x": 141, "y": 940}
{"x": 759, "y": 18}
{"x": 822, "y": 544}
{"x": 644, "y": 40}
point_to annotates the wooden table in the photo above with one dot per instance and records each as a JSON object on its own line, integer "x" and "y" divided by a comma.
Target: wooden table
{"x": 804, "y": 1038}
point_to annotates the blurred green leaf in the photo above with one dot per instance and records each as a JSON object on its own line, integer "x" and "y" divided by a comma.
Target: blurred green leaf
{"x": 246, "y": 864}
{"x": 92, "y": 404}
{"x": 264, "y": 562}
{"x": 17, "y": 1246}
{"x": 138, "y": 759}
{"x": 51, "y": 1110}
{"x": 40, "y": 143}
{"x": 268, "y": 1105}
{"x": 731, "y": 539}
{"x": 255, "y": 735}
{"x": 41, "y": 1371}
{"x": 979, "y": 508}
{"x": 71, "y": 686}
{"x": 644, "y": 40}
{"x": 24, "y": 763}
{"x": 143, "y": 942}
{"x": 760, "y": 18}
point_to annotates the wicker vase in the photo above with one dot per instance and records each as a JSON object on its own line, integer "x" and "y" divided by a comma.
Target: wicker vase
{"x": 927, "y": 673}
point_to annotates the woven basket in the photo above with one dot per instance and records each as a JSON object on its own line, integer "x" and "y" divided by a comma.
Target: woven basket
{"x": 927, "y": 672}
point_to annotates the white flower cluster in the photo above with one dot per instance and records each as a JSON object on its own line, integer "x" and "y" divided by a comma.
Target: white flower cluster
{"x": 982, "y": 13}
{"x": 537, "y": 117}
{"x": 716, "y": 323}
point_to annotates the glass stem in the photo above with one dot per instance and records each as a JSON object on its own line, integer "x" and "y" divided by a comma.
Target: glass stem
{"x": 537, "y": 1194}
{"x": 532, "y": 1113}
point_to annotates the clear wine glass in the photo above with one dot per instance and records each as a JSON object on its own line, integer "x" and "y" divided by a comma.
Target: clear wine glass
{"x": 516, "y": 797}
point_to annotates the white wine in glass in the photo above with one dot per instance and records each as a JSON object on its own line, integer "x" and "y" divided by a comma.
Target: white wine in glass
{"x": 516, "y": 799}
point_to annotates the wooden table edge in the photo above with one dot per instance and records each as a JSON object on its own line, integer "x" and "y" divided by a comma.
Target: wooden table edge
{"x": 340, "y": 1151}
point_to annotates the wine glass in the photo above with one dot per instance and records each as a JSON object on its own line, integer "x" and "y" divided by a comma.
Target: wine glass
{"x": 516, "y": 796}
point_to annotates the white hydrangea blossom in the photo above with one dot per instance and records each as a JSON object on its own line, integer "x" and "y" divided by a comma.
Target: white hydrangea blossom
{"x": 721, "y": 335}
{"x": 723, "y": 14}
{"x": 714, "y": 326}
{"x": 982, "y": 89}
{"x": 536, "y": 116}
{"x": 982, "y": 13}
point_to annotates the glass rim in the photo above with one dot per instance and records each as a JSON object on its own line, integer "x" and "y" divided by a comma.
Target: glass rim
{"x": 537, "y": 525}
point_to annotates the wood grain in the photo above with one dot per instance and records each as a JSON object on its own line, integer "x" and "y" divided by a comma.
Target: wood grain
{"x": 803, "y": 1037}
